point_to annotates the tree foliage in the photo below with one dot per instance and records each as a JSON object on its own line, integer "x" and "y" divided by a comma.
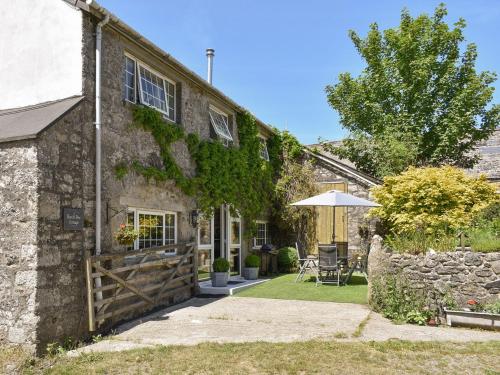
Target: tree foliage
{"x": 419, "y": 101}
{"x": 432, "y": 199}
{"x": 294, "y": 181}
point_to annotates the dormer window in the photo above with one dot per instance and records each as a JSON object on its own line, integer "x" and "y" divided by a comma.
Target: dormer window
{"x": 219, "y": 121}
{"x": 264, "y": 153}
{"x": 155, "y": 90}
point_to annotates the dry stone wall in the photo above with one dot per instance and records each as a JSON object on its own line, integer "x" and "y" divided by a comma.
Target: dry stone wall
{"x": 463, "y": 274}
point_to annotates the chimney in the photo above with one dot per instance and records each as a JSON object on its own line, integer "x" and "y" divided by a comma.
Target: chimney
{"x": 210, "y": 57}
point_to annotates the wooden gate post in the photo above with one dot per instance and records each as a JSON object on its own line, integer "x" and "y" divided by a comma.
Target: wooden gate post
{"x": 90, "y": 293}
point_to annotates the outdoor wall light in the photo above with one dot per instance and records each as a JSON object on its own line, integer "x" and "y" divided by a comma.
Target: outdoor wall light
{"x": 195, "y": 217}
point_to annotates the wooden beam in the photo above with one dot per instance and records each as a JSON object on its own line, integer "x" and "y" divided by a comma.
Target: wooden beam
{"x": 124, "y": 283}
{"x": 176, "y": 269}
{"x": 90, "y": 293}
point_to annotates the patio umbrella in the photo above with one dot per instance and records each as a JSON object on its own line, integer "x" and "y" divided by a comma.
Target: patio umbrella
{"x": 334, "y": 198}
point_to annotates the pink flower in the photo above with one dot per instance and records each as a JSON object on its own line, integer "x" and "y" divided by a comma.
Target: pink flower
{"x": 472, "y": 302}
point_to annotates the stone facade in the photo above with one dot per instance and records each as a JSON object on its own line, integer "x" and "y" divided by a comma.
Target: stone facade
{"x": 489, "y": 162}
{"x": 42, "y": 282}
{"x": 18, "y": 242}
{"x": 463, "y": 274}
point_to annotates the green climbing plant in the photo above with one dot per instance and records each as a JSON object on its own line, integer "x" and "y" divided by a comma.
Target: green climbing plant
{"x": 234, "y": 175}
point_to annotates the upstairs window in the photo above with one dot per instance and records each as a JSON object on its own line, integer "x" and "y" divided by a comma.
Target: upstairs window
{"x": 264, "y": 153}
{"x": 155, "y": 90}
{"x": 129, "y": 80}
{"x": 219, "y": 121}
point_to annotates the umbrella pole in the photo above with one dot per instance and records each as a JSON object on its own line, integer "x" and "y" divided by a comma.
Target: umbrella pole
{"x": 334, "y": 224}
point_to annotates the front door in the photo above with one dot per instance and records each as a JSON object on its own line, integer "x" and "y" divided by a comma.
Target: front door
{"x": 219, "y": 237}
{"x": 234, "y": 243}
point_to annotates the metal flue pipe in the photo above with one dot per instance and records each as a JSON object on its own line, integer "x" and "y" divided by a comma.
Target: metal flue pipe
{"x": 210, "y": 57}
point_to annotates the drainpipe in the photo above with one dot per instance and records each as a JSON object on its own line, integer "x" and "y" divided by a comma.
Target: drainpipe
{"x": 98, "y": 110}
{"x": 210, "y": 57}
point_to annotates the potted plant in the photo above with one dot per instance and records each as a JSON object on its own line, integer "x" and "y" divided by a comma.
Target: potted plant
{"x": 251, "y": 270}
{"x": 126, "y": 235}
{"x": 220, "y": 274}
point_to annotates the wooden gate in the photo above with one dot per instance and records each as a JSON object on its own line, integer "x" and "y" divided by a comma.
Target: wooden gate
{"x": 121, "y": 284}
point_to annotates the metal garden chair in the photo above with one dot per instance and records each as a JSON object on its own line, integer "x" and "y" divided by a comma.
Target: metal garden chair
{"x": 328, "y": 269}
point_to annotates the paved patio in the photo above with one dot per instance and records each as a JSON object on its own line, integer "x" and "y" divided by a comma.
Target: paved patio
{"x": 242, "y": 319}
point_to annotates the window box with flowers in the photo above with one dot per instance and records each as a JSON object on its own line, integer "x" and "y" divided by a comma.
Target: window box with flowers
{"x": 486, "y": 316}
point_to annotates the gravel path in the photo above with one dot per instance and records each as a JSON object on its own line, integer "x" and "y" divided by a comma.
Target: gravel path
{"x": 242, "y": 319}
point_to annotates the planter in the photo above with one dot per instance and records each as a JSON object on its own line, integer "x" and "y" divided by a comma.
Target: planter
{"x": 473, "y": 319}
{"x": 251, "y": 273}
{"x": 219, "y": 279}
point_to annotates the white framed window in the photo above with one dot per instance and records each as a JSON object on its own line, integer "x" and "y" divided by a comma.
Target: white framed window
{"x": 235, "y": 232}
{"x": 205, "y": 233}
{"x": 219, "y": 121}
{"x": 156, "y": 228}
{"x": 129, "y": 80}
{"x": 264, "y": 153}
{"x": 262, "y": 235}
{"x": 155, "y": 90}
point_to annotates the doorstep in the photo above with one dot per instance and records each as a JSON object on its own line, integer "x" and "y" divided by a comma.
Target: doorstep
{"x": 236, "y": 284}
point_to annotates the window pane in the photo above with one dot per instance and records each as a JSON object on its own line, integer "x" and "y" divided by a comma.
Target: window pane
{"x": 235, "y": 232}
{"x": 152, "y": 90}
{"x": 205, "y": 227}
{"x": 129, "y": 79}
{"x": 220, "y": 125}
{"x": 264, "y": 153}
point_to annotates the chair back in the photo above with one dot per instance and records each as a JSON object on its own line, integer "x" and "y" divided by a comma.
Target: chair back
{"x": 327, "y": 255}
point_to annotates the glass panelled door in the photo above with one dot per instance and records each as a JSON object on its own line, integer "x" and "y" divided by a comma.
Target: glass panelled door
{"x": 205, "y": 247}
{"x": 234, "y": 244}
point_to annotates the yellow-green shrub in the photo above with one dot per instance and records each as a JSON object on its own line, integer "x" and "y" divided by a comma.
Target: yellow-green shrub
{"x": 431, "y": 199}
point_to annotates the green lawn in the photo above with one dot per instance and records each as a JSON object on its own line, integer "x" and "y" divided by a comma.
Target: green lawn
{"x": 284, "y": 287}
{"x": 310, "y": 357}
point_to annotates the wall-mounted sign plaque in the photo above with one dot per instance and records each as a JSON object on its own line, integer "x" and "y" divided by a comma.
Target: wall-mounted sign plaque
{"x": 72, "y": 218}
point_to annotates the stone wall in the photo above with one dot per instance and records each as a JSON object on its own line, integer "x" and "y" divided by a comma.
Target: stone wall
{"x": 61, "y": 291}
{"x": 18, "y": 242}
{"x": 463, "y": 274}
{"x": 489, "y": 152}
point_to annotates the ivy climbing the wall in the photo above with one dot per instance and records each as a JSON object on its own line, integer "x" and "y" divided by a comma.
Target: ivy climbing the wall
{"x": 236, "y": 176}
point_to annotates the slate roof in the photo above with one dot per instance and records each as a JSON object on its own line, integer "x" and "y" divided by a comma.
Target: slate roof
{"x": 28, "y": 122}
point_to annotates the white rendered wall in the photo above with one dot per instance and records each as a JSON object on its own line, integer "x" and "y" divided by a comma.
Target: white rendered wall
{"x": 40, "y": 52}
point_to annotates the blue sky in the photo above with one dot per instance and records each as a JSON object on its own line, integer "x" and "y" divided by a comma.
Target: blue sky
{"x": 275, "y": 57}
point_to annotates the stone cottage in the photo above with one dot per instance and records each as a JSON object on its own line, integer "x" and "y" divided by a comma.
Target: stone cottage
{"x": 69, "y": 83}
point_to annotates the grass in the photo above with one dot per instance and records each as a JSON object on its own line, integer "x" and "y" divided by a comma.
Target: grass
{"x": 284, "y": 287}
{"x": 319, "y": 357}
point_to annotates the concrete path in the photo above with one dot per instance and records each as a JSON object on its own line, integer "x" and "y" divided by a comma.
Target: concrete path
{"x": 242, "y": 319}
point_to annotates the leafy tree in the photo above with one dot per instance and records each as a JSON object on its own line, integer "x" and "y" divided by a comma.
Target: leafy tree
{"x": 419, "y": 101}
{"x": 294, "y": 181}
{"x": 432, "y": 199}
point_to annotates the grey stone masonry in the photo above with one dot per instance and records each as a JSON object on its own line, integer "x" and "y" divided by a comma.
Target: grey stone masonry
{"x": 19, "y": 181}
{"x": 463, "y": 274}
{"x": 489, "y": 152}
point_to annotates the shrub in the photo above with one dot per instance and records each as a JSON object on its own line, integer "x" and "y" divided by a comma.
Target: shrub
{"x": 221, "y": 265}
{"x": 492, "y": 308}
{"x": 484, "y": 240}
{"x": 252, "y": 261}
{"x": 392, "y": 296}
{"x": 419, "y": 242}
{"x": 435, "y": 200}
{"x": 287, "y": 259}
